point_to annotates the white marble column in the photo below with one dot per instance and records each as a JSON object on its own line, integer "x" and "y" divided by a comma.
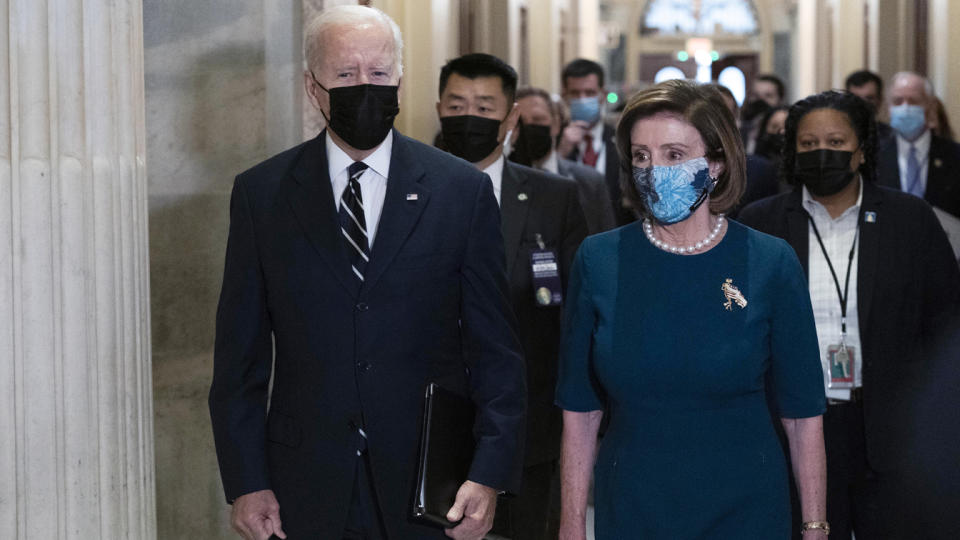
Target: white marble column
{"x": 76, "y": 415}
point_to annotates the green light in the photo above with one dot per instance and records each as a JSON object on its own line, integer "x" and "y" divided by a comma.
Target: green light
{"x": 714, "y": 55}
{"x": 612, "y": 97}
{"x": 683, "y": 56}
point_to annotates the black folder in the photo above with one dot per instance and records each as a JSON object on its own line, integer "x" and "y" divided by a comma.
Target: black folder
{"x": 446, "y": 452}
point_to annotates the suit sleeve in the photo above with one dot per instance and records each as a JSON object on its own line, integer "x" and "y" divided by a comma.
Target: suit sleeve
{"x": 574, "y": 231}
{"x": 241, "y": 360}
{"x": 497, "y": 373}
{"x": 794, "y": 350}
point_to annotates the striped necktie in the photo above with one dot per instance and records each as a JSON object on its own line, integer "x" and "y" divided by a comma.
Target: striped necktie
{"x": 352, "y": 223}
{"x": 913, "y": 173}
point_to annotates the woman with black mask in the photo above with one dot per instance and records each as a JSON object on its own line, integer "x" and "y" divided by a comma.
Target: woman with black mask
{"x": 770, "y": 137}
{"x": 882, "y": 282}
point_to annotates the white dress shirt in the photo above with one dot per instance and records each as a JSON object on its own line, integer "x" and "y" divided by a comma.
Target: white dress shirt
{"x": 598, "y": 146}
{"x": 922, "y": 145}
{"x": 495, "y": 172}
{"x": 550, "y": 164}
{"x": 373, "y": 181}
{"x": 838, "y": 235}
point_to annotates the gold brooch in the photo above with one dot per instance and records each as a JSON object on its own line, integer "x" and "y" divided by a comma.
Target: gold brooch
{"x": 732, "y": 294}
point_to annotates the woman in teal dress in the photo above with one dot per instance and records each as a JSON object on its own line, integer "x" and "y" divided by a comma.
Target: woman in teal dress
{"x": 682, "y": 327}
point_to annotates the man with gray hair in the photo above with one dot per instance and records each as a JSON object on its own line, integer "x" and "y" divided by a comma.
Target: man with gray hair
{"x": 913, "y": 159}
{"x": 361, "y": 266}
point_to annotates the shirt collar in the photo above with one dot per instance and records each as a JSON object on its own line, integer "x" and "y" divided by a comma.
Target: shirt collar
{"x": 495, "y": 172}
{"x": 814, "y": 207}
{"x": 379, "y": 160}
{"x": 597, "y": 131}
{"x": 922, "y": 144}
{"x": 550, "y": 164}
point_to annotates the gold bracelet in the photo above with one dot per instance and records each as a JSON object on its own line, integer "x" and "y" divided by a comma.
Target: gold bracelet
{"x": 815, "y": 525}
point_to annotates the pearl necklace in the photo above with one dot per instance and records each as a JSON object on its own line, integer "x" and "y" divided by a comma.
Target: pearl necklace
{"x": 648, "y": 229}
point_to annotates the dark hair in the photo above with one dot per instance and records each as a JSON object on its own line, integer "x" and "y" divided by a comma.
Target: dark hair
{"x": 861, "y": 118}
{"x": 476, "y": 65}
{"x": 703, "y": 107}
{"x": 771, "y": 78}
{"x": 768, "y": 115}
{"x": 862, "y": 77}
{"x": 581, "y": 67}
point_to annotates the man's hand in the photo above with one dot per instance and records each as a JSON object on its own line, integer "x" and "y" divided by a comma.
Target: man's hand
{"x": 476, "y": 504}
{"x": 572, "y": 136}
{"x": 256, "y": 515}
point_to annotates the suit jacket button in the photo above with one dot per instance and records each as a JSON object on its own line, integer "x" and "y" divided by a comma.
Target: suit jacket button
{"x": 362, "y": 307}
{"x": 363, "y": 367}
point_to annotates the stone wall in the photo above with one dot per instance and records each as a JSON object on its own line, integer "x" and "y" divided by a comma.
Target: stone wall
{"x": 222, "y": 93}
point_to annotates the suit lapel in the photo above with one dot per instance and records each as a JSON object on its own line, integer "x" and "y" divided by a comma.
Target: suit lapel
{"x": 798, "y": 228}
{"x": 311, "y": 196}
{"x": 869, "y": 255}
{"x": 888, "y": 169}
{"x": 940, "y": 183}
{"x": 402, "y": 205}
{"x": 514, "y": 205}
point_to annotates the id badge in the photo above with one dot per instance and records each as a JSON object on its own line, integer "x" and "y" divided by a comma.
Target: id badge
{"x": 547, "y": 287}
{"x": 841, "y": 360}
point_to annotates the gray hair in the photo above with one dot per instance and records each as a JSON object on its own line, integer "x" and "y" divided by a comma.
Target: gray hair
{"x": 927, "y": 86}
{"x": 348, "y": 15}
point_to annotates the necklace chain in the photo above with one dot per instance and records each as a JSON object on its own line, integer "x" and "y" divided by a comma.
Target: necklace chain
{"x": 648, "y": 230}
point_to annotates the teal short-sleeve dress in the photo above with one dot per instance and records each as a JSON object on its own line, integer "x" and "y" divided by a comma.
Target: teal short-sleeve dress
{"x": 677, "y": 349}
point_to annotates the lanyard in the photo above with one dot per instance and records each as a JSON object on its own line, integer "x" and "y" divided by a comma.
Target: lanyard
{"x": 836, "y": 282}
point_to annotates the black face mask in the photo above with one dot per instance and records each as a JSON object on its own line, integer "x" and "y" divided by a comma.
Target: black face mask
{"x": 533, "y": 144}
{"x": 363, "y": 114}
{"x": 470, "y": 137}
{"x": 769, "y": 145}
{"x": 824, "y": 172}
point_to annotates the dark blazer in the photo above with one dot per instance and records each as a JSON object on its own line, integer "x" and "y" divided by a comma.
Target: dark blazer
{"x": 943, "y": 171}
{"x": 611, "y": 175}
{"x": 594, "y": 199}
{"x": 761, "y": 182}
{"x": 907, "y": 285}
{"x": 433, "y": 308}
{"x": 536, "y": 202}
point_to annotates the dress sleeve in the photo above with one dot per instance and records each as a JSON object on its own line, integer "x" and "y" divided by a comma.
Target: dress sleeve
{"x": 577, "y": 388}
{"x": 795, "y": 354}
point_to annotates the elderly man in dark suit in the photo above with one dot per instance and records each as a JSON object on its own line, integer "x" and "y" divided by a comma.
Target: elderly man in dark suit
{"x": 534, "y": 145}
{"x": 914, "y": 159}
{"x": 361, "y": 266}
{"x": 542, "y": 227}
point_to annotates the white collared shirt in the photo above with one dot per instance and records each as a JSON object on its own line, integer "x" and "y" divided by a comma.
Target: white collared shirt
{"x": 922, "y": 145}
{"x": 373, "y": 181}
{"x": 837, "y": 235}
{"x": 495, "y": 172}
{"x": 598, "y": 146}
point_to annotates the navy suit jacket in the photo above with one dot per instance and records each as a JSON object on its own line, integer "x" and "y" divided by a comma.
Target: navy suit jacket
{"x": 908, "y": 285}
{"x": 549, "y": 207}
{"x": 433, "y": 308}
{"x": 943, "y": 171}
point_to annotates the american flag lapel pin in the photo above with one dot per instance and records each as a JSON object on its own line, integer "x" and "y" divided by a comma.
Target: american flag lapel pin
{"x": 412, "y": 196}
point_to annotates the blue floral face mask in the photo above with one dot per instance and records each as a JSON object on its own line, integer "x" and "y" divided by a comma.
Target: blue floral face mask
{"x": 672, "y": 193}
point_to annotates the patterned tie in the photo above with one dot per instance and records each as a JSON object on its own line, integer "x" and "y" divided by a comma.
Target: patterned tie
{"x": 589, "y": 154}
{"x": 913, "y": 173}
{"x": 352, "y": 223}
